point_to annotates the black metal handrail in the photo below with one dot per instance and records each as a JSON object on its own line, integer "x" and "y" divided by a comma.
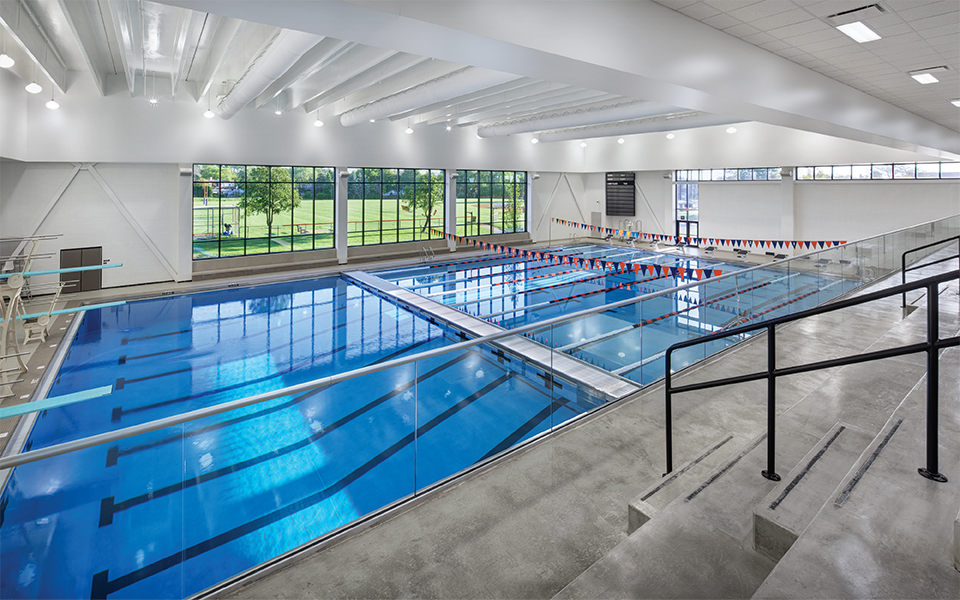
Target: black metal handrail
{"x": 931, "y": 347}
{"x": 904, "y": 268}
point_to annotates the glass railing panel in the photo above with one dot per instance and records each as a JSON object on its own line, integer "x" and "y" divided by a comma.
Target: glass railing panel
{"x": 123, "y": 512}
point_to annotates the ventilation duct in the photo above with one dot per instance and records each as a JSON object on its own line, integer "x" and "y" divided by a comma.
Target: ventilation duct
{"x": 671, "y": 123}
{"x": 459, "y": 83}
{"x": 592, "y": 115}
{"x": 280, "y": 54}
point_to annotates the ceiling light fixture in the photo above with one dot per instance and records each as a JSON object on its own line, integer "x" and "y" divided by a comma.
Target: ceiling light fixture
{"x": 5, "y": 61}
{"x": 209, "y": 112}
{"x": 535, "y": 141}
{"x": 33, "y": 87}
{"x": 52, "y": 104}
{"x": 926, "y": 76}
{"x": 408, "y": 130}
{"x": 449, "y": 128}
{"x": 670, "y": 136}
{"x": 955, "y": 102}
{"x": 859, "y": 32}
{"x": 621, "y": 140}
{"x": 373, "y": 120}
{"x": 583, "y": 144}
{"x": 318, "y": 122}
{"x": 153, "y": 85}
{"x": 731, "y": 129}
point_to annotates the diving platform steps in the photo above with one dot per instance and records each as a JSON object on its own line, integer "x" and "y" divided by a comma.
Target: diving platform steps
{"x": 851, "y": 517}
{"x": 598, "y": 383}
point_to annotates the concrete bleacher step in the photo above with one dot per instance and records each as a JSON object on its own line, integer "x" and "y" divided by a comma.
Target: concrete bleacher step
{"x": 884, "y": 531}
{"x": 787, "y": 510}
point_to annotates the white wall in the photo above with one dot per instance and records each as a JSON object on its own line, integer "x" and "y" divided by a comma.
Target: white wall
{"x": 131, "y": 210}
{"x": 575, "y": 196}
{"x": 822, "y": 210}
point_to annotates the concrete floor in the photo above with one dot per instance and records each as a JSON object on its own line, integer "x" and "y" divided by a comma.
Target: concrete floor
{"x": 551, "y": 519}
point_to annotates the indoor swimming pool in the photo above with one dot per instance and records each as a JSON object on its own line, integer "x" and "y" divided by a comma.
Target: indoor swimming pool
{"x": 170, "y": 513}
{"x": 628, "y": 340}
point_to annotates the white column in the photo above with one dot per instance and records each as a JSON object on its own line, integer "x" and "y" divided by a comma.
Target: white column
{"x": 340, "y": 214}
{"x": 184, "y": 259}
{"x": 787, "y": 231}
{"x": 450, "y": 208}
{"x": 532, "y": 179}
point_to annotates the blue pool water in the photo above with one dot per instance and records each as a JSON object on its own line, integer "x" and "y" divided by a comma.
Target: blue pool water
{"x": 172, "y": 512}
{"x": 630, "y": 340}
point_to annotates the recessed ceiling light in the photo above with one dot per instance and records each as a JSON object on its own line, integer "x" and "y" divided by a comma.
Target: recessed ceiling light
{"x": 926, "y": 76}
{"x": 670, "y": 136}
{"x": 449, "y": 128}
{"x": 859, "y": 32}
{"x": 955, "y": 102}
{"x": 153, "y": 101}
{"x": 33, "y": 87}
{"x": 621, "y": 140}
{"x": 731, "y": 129}
{"x": 278, "y": 112}
{"x": 373, "y": 120}
{"x": 5, "y": 61}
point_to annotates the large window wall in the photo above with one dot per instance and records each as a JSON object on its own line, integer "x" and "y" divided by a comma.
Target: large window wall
{"x": 490, "y": 202}
{"x": 247, "y": 209}
{"x": 394, "y": 205}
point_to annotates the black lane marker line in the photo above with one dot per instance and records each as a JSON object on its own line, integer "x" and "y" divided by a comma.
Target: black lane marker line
{"x": 208, "y": 428}
{"x": 111, "y": 508}
{"x": 685, "y": 469}
{"x": 102, "y": 586}
{"x": 501, "y": 274}
{"x": 126, "y": 340}
{"x": 125, "y": 358}
{"x": 728, "y": 466}
{"x": 523, "y": 430}
{"x": 800, "y": 475}
{"x": 302, "y": 364}
{"x": 121, "y": 382}
{"x": 856, "y": 478}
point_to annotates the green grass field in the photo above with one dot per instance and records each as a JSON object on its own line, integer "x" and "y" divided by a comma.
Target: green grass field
{"x": 311, "y": 224}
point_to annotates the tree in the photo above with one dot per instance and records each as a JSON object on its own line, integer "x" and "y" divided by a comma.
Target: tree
{"x": 269, "y": 191}
{"x": 427, "y": 198}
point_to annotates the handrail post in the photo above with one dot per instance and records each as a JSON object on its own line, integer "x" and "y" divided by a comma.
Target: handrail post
{"x": 668, "y": 412}
{"x": 932, "y": 471}
{"x": 903, "y": 279}
{"x": 771, "y": 473}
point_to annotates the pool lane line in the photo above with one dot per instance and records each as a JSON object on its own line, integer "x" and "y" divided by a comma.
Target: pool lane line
{"x": 612, "y": 334}
{"x": 118, "y": 411}
{"x": 115, "y": 452}
{"x": 503, "y": 274}
{"x": 465, "y": 279}
{"x": 124, "y": 341}
{"x": 102, "y": 586}
{"x": 788, "y": 302}
{"x": 514, "y": 282}
{"x": 109, "y": 507}
{"x": 461, "y": 262}
{"x": 124, "y": 358}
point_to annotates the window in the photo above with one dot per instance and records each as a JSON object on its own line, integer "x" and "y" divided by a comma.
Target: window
{"x": 243, "y": 209}
{"x": 752, "y": 174}
{"x": 882, "y": 171}
{"x": 490, "y": 202}
{"x": 385, "y": 206}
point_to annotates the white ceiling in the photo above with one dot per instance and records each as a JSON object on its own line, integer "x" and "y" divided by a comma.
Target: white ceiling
{"x": 557, "y": 69}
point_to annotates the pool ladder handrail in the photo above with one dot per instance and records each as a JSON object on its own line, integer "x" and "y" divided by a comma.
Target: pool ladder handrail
{"x": 427, "y": 253}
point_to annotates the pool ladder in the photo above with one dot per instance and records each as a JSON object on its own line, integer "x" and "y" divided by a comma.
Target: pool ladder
{"x": 426, "y": 253}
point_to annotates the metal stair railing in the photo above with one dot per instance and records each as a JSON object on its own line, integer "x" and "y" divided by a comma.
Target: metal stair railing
{"x": 931, "y": 347}
{"x": 904, "y": 268}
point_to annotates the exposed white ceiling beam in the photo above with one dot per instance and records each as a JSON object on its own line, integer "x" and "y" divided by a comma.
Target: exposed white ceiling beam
{"x": 308, "y": 64}
{"x": 588, "y": 114}
{"x": 533, "y": 109}
{"x": 676, "y": 122}
{"x": 275, "y": 59}
{"x": 450, "y": 102}
{"x": 90, "y": 38}
{"x": 425, "y": 71}
{"x": 25, "y": 28}
{"x": 342, "y": 67}
{"x": 573, "y": 97}
{"x": 217, "y": 38}
{"x": 391, "y": 66}
{"x": 189, "y": 27}
{"x": 518, "y": 94}
{"x": 127, "y": 22}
